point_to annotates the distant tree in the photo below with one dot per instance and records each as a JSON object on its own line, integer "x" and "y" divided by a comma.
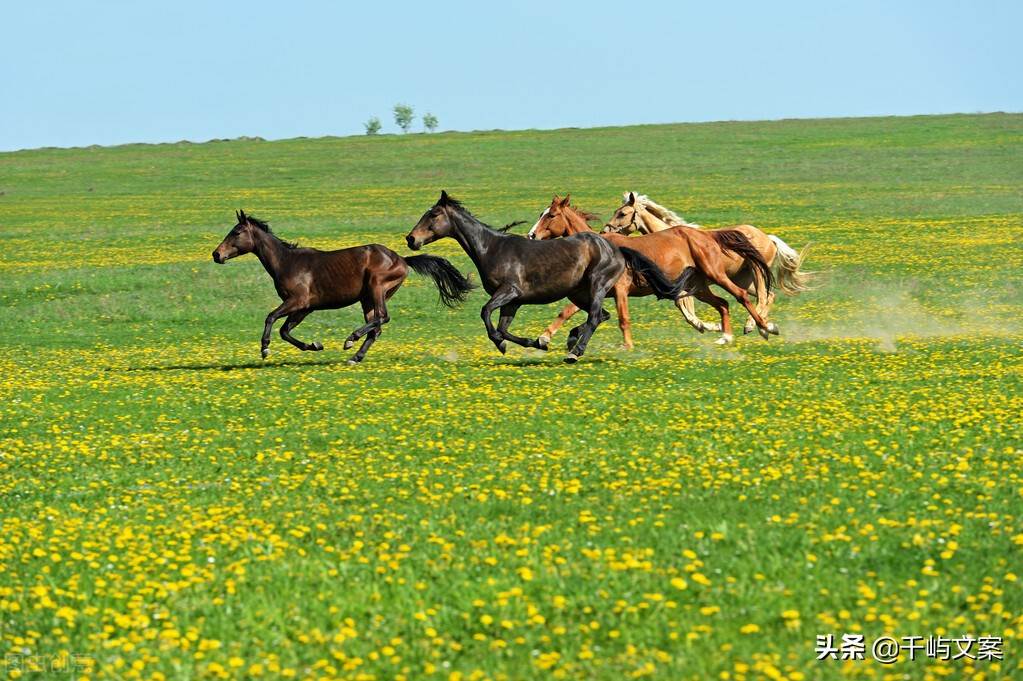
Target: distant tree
{"x": 404, "y": 116}
{"x": 430, "y": 122}
{"x": 372, "y": 126}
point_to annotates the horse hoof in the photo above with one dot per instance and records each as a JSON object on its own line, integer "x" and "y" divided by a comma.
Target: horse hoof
{"x": 349, "y": 343}
{"x": 352, "y": 362}
{"x": 503, "y": 347}
{"x": 543, "y": 340}
{"x": 772, "y": 328}
{"x": 724, "y": 340}
{"x": 316, "y": 346}
{"x": 627, "y": 346}
{"x": 571, "y": 358}
{"x": 265, "y": 352}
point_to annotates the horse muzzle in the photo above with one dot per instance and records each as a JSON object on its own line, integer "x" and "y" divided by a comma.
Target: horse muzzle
{"x": 217, "y": 258}
{"x": 413, "y": 243}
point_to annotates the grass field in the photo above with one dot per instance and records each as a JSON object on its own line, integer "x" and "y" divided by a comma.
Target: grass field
{"x": 174, "y": 507}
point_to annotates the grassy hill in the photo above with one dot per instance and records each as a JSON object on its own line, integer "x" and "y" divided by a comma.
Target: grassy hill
{"x": 174, "y": 505}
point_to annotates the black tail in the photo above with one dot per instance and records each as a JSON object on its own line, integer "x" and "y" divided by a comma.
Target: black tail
{"x": 453, "y": 287}
{"x": 735, "y": 241}
{"x": 655, "y": 278}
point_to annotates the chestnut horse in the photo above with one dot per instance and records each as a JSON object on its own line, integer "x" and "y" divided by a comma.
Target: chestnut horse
{"x": 307, "y": 279}
{"x": 517, "y": 271}
{"x": 640, "y": 213}
{"x": 723, "y": 257}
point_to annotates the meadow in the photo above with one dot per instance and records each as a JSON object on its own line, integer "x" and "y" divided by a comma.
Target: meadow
{"x": 174, "y": 507}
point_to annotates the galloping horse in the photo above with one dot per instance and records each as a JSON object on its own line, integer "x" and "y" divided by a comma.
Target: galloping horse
{"x": 517, "y": 271}
{"x": 307, "y": 279}
{"x": 718, "y": 255}
{"x": 640, "y": 213}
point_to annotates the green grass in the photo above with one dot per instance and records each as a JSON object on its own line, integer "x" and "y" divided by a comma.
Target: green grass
{"x": 172, "y": 505}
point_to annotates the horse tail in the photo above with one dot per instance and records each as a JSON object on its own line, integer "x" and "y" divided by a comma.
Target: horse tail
{"x": 735, "y": 241}
{"x": 452, "y": 286}
{"x": 791, "y": 279}
{"x": 662, "y": 286}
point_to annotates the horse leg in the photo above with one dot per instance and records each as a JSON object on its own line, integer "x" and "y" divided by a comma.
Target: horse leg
{"x": 764, "y": 301}
{"x": 601, "y": 283}
{"x": 765, "y": 310}
{"x": 370, "y": 317}
{"x": 281, "y": 310}
{"x": 688, "y": 309}
{"x": 721, "y": 305}
{"x": 742, "y": 296}
{"x": 622, "y": 304}
{"x": 373, "y": 320}
{"x": 573, "y": 334}
{"x": 371, "y": 323}
{"x": 507, "y": 315}
{"x": 293, "y": 320}
{"x": 567, "y": 313}
{"x": 375, "y": 312}
{"x": 504, "y": 295}
{"x": 595, "y": 316}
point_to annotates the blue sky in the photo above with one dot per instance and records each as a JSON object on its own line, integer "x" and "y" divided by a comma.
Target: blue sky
{"x": 78, "y": 73}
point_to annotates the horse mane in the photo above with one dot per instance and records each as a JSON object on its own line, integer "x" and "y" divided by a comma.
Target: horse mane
{"x": 585, "y": 214}
{"x": 452, "y": 202}
{"x": 265, "y": 226}
{"x": 662, "y": 213}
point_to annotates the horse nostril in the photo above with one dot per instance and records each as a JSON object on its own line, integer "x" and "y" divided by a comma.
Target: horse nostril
{"x": 409, "y": 240}
{"x": 216, "y": 257}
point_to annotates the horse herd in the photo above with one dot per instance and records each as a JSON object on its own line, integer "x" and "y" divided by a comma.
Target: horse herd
{"x": 561, "y": 257}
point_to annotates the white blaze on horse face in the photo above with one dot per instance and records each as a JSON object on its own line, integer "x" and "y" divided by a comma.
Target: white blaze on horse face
{"x": 532, "y": 231}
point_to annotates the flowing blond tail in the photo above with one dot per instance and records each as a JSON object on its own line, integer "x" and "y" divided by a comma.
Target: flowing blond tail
{"x": 791, "y": 279}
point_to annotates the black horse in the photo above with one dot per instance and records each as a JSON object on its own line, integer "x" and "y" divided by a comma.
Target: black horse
{"x": 516, "y": 271}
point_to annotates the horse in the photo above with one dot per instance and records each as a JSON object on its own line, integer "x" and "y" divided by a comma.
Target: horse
{"x": 673, "y": 251}
{"x": 308, "y": 279}
{"x": 516, "y": 271}
{"x": 562, "y": 219}
{"x": 639, "y": 212}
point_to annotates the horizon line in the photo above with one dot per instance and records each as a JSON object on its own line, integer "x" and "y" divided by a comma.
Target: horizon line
{"x": 258, "y": 138}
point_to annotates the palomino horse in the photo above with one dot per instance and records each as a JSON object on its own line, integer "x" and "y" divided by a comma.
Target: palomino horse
{"x": 307, "y": 279}
{"x": 517, "y": 271}
{"x": 700, "y": 256}
{"x": 640, "y": 213}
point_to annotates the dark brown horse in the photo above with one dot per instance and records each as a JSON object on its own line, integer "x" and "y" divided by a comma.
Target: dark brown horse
{"x": 307, "y": 279}
{"x": 517, "y": 271}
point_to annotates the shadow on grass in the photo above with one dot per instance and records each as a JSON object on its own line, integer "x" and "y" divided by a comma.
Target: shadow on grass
{"x": 543, "y": 361}
{"x": 246, "y": 366}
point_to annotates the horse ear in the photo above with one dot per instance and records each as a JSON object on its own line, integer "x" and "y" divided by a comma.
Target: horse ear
{"x": 564, "y": 201}
{"x": 555, "y": 199}
{"x": 444, "y": 198}
{"x": 241, "y": 217}
{"x": 632, "y": 199}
